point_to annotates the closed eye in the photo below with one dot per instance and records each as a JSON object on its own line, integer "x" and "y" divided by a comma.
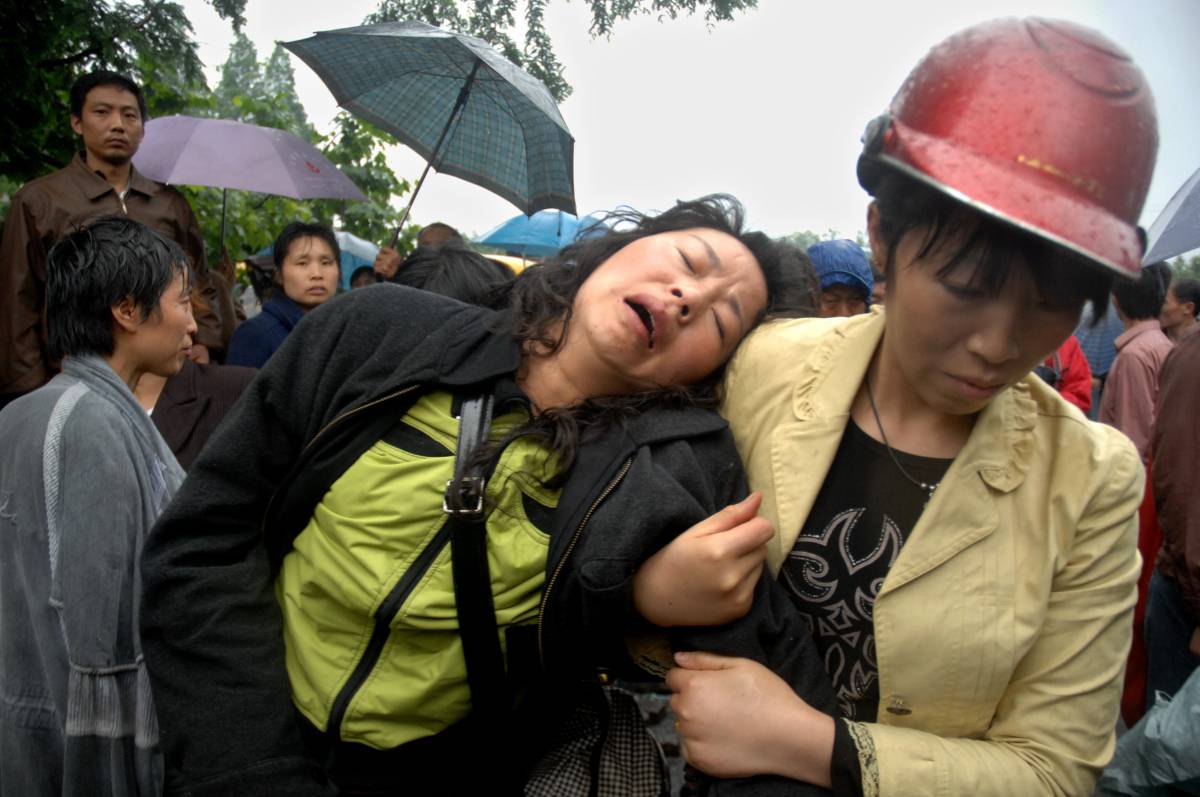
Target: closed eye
{"x": 686, "y": 261}
{"x": 964, "y": 291}
{"x": 720, "y": 326}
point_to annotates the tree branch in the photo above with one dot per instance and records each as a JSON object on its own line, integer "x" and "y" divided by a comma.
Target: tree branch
{"x": 70, "y": 59}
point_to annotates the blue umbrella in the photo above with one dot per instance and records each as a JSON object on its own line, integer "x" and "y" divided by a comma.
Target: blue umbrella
{"x": 456, "y": 101}
{"x": 543, "y": 233}
{"x": 356, "y": 253}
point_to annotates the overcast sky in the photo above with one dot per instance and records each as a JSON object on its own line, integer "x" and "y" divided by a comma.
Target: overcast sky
{"x": 768, "y": 107}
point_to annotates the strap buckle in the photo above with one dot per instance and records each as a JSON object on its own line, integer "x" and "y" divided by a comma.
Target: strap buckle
{"x": 464, "y": 497}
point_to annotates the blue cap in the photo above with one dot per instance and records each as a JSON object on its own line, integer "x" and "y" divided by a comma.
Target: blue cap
{"x": 842, "y": 262}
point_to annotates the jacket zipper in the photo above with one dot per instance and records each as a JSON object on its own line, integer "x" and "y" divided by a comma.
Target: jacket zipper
{"x": 355, "y": 411}
{"x": 395, "y": 598}
{"x": 562, "y": 560}
{"x": 383, "y": 628}
{"x": 269, "y": 513}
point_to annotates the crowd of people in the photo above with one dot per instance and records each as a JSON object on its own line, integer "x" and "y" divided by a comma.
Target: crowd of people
{"x": 851, "y": 506}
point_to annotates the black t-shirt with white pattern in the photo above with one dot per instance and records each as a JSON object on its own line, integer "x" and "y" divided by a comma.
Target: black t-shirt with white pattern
{"x": 858, "y": 524}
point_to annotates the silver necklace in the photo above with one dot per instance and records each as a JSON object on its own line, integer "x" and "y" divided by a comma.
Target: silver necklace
{"x": 926, "y": 486}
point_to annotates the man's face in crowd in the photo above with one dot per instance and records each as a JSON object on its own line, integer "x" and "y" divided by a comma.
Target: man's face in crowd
{"x": 841, "y": 300}
{"x": 110, "y": 124}
{"x": 1174, "y": 312}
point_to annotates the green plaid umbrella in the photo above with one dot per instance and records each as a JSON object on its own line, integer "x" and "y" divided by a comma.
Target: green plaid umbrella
{"x": 464, "y": 107}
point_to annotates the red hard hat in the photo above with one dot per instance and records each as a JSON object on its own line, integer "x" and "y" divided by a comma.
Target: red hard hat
{"x": 1042, "y": 123}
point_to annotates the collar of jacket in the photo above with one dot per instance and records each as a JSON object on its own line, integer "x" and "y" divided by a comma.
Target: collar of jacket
{"x": 282, "y": 308}
{"x": 94, "y": 186}
{"x": 1136, "y": 330}
{"x": 601, "y": 459}
{"x": 464, "y": 351}
{"x": 996, "y": 456}
{"x": 181, "y": 395}
{"x": 101, "y": 380}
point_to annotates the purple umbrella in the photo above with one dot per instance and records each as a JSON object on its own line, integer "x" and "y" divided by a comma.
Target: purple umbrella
{"x": 224, "y": 154}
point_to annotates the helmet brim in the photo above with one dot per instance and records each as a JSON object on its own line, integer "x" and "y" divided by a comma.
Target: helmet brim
{"x": 1016, "y": 193}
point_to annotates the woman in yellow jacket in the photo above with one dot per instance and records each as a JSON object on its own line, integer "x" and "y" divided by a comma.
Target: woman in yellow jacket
{"x": 961, "y": 539}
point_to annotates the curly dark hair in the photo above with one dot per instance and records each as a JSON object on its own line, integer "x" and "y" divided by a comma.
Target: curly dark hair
{"x": 541, "y": 300}
{"x": 541, "y": 305}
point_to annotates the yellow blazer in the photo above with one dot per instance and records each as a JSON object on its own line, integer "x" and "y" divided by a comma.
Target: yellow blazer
{"x": 1002, "y": 629}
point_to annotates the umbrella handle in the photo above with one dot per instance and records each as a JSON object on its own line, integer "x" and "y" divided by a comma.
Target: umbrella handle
{"x": 407, "y": 208}
{"x": 224, "y": 202}
{"x": 459, "y": 104}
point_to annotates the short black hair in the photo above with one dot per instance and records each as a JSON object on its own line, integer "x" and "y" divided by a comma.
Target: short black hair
{"x": 1187, "y": 290}
{"x": 795, "y": 260}
{"x": 103, "y": 77}
{"x": 95, "y": 268}
{"x": 457, "y": 271}
{"x": 304, "y": 229}
{"x": 367, "y": 272}
{"x": 1063, "y": 278}
{"x": 1142, "y": 299}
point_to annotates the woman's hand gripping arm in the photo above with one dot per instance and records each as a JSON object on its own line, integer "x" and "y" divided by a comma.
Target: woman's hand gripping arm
{"x": 707, "y": 575}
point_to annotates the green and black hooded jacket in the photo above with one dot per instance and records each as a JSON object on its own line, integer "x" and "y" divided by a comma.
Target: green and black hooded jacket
{"x": 211, "y": 624}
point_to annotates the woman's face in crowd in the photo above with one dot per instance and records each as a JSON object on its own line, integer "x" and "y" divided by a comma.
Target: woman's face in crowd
{"x": 309, "y": 274}
{"x": 667, "y": 309}
{"x": 957, "y": 345}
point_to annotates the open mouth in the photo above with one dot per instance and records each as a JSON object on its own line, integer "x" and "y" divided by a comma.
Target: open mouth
{"x": 645, "y": 316}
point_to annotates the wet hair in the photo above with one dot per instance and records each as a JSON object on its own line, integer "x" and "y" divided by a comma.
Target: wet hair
{"x": 457, "y": 271}
{"x": 261, "y": 271}
{"x": 96, "y": 268}
{"x": 303, "y": 229}
{"x": 542, "y": 298}
{"x": 1187, "y": 290}
{"x": 438, "y": 234}
{"x": 1142, "y": 299}
{"x": 540, "y": 306}
{"x": 1064, "y": 279}
{"x": 103, "y": 77}
{"x": 794, "y": 259}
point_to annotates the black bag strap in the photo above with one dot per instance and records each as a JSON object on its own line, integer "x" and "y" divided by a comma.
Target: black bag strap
{"x": 463, "y": 503}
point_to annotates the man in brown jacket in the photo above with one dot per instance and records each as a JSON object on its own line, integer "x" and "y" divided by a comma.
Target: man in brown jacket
{"x": 107, "y": 112}
{"x": 1173, "y": 604}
